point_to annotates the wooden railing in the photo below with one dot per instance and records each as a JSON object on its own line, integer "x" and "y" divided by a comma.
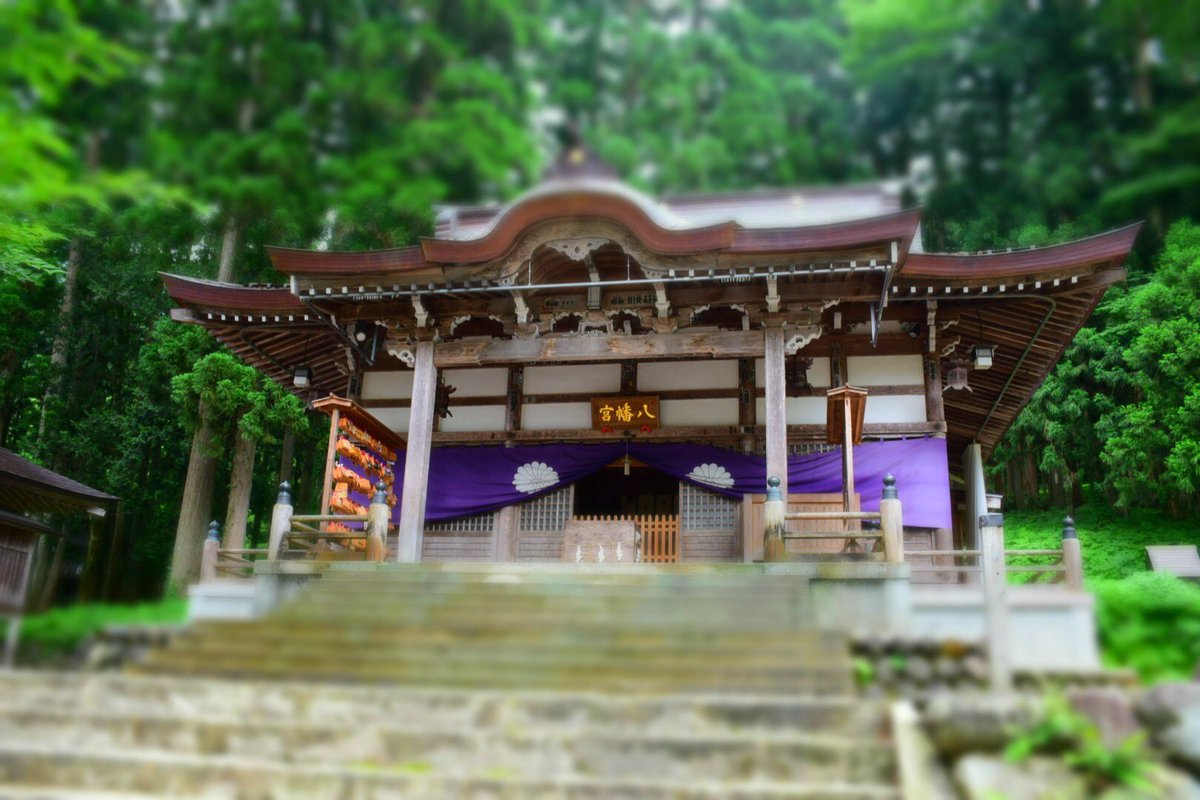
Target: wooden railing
{"x": 303, "y": 536}
{"x": 889, "y": 518}
{"x": 1064, "y": 564}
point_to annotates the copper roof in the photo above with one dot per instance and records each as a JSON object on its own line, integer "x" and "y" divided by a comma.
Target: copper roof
{"x": 231, "y": 296}
{"x": 1108, "y": 247}
{"x": 28, "y": 487}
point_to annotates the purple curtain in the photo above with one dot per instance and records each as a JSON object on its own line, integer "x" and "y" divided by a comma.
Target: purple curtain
{"x": 473, "y": 480}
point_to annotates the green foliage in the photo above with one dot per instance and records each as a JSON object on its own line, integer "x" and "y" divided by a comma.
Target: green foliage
{"x": 1113, "y": 545}
{"x": 864, "y": 671}
{"x": 1121, "y": 412}
{"x": 45, "y": 52}
{"x": 228, "y": 390}
{"x": 1150, "y": 622}
{"x": 62, "y": 630}
{"x": 1062, "y": 731}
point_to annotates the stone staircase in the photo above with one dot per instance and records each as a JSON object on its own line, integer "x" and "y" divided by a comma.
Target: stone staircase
{"x": 426, "y": 682}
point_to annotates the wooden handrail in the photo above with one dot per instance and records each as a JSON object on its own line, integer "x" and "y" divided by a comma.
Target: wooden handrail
{"x": 329, "y": 518}
{"x": 834, "y": 535}
{"x": 846, "y": 515}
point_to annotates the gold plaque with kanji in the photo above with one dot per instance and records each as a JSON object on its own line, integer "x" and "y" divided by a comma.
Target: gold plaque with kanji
{"x": 629, "y": 413}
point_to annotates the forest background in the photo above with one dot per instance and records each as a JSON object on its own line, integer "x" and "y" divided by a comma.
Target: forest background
{"x": 184, "y": 135}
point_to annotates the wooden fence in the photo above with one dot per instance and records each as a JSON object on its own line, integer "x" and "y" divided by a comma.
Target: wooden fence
{"x": 660, "y": 538}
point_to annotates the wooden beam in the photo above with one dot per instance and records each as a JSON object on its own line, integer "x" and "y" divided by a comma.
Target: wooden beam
{"x": 700, "y": 433}
{"x": 712, "y": 344}
{"x": 416, "y": 458}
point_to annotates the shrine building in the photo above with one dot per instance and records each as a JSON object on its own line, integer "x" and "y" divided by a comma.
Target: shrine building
{"x": 589, "y": 354}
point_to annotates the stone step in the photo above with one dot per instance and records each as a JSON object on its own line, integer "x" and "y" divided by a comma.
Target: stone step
{"x": 233, "y": 778}
{"x": 457, "y": 631}
{"x": 710, "y": 620}
{"x": 680, "y": 755}
{"x": 14, "y": 792}
{"x": 484, "y": 642}
{"x": 586, "y": 676}
{"x": 544, "y": 710}
{"x": 434, "y": 576}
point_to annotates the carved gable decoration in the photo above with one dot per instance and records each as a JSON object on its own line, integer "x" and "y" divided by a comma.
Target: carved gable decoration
{"x": 578, "y": 249}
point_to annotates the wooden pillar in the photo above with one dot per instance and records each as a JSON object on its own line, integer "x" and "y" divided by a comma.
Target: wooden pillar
{"x": 378, "y": 517}
{"x": 774, "y": 508}
{"x": 330, "y": 457}
{"x": 513, "y": 396}
{"x": 1072, "y": 556}
{"x": 848, "y": 456}
{"x": 416, "y": 457}
{"x": 210, "y": 553}
{"x": 975, "y": 504}
{"x": 995, "y": 602}
{"x": 50, "y": 587}
{"x": 506, "y": 533}
{"x": 891, "y": 522}
{"x": 747, "y": 402}
{"x": 281, "y": 521}
{"x": 935, "y": 408}
{"x": 776, "y": 397}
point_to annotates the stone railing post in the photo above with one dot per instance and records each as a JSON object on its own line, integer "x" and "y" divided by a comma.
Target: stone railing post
{"x": 995, "y": 602}
{"x": 378, "y": 516}
{"x": 210, "y": 553}
{"x": 1072, "y": 556}
{"x": 773, "y": 522}
{"x": 281, "y": 521}
{"x": 891, "y": 522}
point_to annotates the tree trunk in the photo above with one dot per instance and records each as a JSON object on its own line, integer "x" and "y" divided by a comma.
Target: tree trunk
{"x": 196, "y": 507}
{"x": 228, "y": 244}
{"x": 240, "y": 482}
{"x": 58, "y": 350}
{"x": 66, "y": 310}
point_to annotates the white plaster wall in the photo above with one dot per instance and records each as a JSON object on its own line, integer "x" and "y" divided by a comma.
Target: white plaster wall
{"x": 546, "y": 416}
{"x": 387, "y": 385}
{"x": 488, "y": 382}
{"x": 474, "y": 418}
{"x": 818, "y": 373}
{"x": 884, "y": 371}
{"x": 719, "y": 411}
{"x": 800, "y": 410}
{"x": 573, "y": 378}
{"x": 894, "y": 408}
{"x": 657, "y": 376}
{"x": 394, "y": 418}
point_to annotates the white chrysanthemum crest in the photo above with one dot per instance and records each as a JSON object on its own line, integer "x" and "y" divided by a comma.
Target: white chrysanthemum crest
{"x": 534, "y": 476}
{"x": 713, "y": 475}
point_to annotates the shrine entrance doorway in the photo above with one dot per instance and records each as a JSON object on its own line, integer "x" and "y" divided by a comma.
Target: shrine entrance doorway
{"x": 628, "y": 490}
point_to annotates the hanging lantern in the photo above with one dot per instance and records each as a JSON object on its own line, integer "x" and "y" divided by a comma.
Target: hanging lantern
{"x": 302, "y": 377}
{"x": 956, "y": 376}
{"x": 981, "y": 356}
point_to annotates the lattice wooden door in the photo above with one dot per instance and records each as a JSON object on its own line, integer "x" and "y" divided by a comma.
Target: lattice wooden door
{"x": 660, "y": 538}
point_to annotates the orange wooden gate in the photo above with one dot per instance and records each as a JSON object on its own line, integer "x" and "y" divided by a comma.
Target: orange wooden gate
{"x": 660, "y": 538}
